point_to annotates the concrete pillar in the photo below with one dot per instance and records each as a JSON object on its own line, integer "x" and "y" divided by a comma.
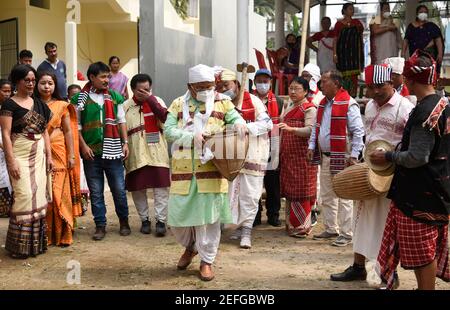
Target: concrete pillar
{"x": 243, "y": 31}
{"x": 71, "y": 52}
{"x": 279, "y": 23}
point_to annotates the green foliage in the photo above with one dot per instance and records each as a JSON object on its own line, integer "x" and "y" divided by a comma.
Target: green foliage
{"x": 265, "y": 8}
{"x": 181, "y": 6}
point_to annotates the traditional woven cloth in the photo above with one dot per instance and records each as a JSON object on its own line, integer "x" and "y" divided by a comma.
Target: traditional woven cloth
{"x": 112, "y": 145}
{"x": 378, "y": 74}
{"x": 150, "y": 121}
{"x": 248, "y": 110}
{"x": 422, "y": 75}
{"x": 338, "y": 130}
{"x": 414, "y": 245}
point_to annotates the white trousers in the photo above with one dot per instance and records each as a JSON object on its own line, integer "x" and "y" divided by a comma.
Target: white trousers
{"x": 204, "y": 239}
{"x": 244, "y": 193}
{"x": 161, "y": 201}
{"x": 337, "y": 212}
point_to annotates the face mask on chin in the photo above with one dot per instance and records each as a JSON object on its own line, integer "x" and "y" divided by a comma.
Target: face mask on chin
{"x": 422, "y": 16}
{"x": 386, "y": 14}
{"x": 205, "y": 95}
{"x": 262, "y": 88}
{"x": 230, "y": 93}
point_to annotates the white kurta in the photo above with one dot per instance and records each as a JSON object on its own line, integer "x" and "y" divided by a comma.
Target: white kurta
{"x": 246, "y": 190}
{"x": 381, "y": 123}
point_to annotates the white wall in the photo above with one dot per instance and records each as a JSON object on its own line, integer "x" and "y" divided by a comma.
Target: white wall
{"x": 167, "y": 54}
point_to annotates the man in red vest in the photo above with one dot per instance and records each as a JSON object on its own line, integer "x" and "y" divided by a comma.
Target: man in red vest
{"x": 246, "y": 189}
{"x": 274, "y": 106}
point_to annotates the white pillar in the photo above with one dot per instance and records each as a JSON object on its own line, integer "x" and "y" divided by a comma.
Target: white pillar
{"x": 71, "y": 52}
{"x": 279, "y": 23}
{"x": 305, "y": 10}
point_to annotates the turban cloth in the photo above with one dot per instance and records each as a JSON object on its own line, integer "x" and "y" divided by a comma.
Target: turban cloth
{"x": 313, "y": 70}
{"x": 228, "y": 75}
{"x": 378, "y": 74}
{"x": 202, "y": 73}
{"x": 419, "y": 74}
{"x": 396, "y": 63}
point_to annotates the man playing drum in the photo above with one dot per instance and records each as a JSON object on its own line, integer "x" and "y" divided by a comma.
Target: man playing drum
{"x": 385, "y": 118}
{"x": 198, "y": 201}
{"x": 246, "y": 189}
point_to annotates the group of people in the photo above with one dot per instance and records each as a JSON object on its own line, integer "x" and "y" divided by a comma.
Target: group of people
{"x": 51, "y": 135}
{"x": 342, "y": 47}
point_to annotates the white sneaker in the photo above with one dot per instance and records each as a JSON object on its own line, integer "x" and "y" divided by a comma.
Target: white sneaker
{"x": 246, "y": 238}
{"x": 341, "y": 241}
{"x": 236, "y": 235}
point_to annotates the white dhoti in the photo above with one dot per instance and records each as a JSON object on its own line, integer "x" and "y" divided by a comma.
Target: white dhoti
{"x": 244, "y": 193}
{"x": 337, "y": 212}
{"x": 204, "y": 239}
{"x": 161, "y": 201}
{"x": 370, "y": 220}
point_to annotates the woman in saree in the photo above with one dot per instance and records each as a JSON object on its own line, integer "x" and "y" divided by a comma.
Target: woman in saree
{"x": 348, "y": 48}
{"x": 28, "y": 155}
{"x": 63, "y": 133}
{"x": 298, "y": 175}
{"x": 5, "y": 184}
{"x": 424, "y": 35}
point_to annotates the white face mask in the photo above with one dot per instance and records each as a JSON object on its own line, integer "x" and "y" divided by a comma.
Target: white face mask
{"x": 205, "y": 95}
{"x": 387, "y": 14}
{"x": 230, "y": 93}
{"x": 422, "y": 16}
{"x": 262, "y": 88}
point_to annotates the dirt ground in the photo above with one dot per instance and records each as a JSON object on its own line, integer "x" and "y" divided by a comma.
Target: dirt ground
{"x": 141, "y": 262}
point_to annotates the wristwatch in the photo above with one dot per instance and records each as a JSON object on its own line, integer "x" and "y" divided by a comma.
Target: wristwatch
{"x": 125, "y": 142}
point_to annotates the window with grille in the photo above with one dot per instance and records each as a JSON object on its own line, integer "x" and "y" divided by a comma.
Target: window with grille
{"x": 8, "y": 46}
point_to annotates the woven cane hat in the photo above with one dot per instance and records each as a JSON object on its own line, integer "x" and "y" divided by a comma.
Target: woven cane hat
{"x": 386, "y": 169}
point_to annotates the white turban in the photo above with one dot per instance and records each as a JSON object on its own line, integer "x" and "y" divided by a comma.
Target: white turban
{"x": 313, "y": 70}
{"x": 396, "y": 63}
{"x": 203, "y": 73}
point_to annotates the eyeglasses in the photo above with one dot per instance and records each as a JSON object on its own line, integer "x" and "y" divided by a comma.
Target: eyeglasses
{"x": 27, "y": 81}
{"x": 295, "y": 89}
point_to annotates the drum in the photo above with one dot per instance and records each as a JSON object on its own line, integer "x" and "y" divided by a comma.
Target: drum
{"x": 230, "y": 151}
{"x": 359, "y": 182}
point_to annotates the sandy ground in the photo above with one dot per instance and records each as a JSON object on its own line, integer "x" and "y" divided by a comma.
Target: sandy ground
{"x": 146, "y": 262}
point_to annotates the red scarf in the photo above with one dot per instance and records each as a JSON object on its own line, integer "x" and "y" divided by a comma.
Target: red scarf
{"x": 272, "y": 108}
{"x": 150, "y": 121}
{"x": 338, "y": 130}
{"x": 403, "y": 90}
{"x": 112, "y": 145}
{"x": 248, "y": 111}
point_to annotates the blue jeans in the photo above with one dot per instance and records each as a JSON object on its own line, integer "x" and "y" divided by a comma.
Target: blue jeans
{"x": 114, "y": 171}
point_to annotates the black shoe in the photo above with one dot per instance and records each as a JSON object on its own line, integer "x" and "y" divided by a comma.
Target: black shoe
{"x": 257, "y": 221}
{"x": 124, "y": 229}
{"x": 100, "y": 232}
{"x": 160, "y": 229}
{"x": 274, "y": 221}
{"x": 146, "y": 227}
{"x": 352, "y": 273}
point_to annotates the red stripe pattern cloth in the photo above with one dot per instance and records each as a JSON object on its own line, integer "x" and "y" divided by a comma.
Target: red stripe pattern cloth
{"x": 414, "y": 245}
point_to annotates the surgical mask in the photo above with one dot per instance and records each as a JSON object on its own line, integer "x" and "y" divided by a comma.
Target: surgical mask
{"x": 205, "y": 95}
{"x": 387, "y": 14}
{"x": 230, "y": 93}
{"x": 262, "y": 88}
{"x": 422, "y": 16}
{"x": 312, "y": 85}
